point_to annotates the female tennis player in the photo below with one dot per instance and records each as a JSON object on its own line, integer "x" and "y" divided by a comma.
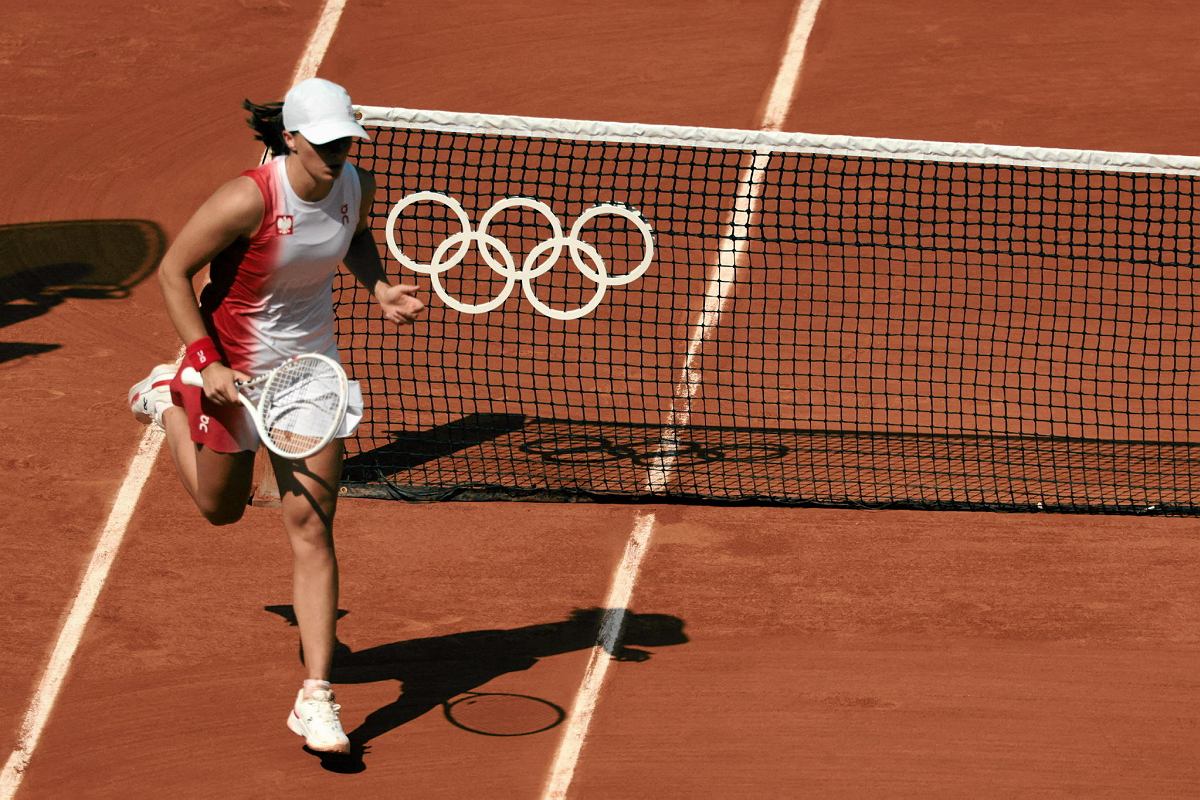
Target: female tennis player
{"x": 273, "y": 237}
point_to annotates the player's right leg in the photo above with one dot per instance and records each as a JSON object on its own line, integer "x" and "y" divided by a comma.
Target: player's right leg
{"x": 213, "y": 448}
{"x": 219, "y": 483}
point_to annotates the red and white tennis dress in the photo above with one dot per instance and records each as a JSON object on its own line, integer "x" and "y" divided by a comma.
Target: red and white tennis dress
{"x": 271, "y": 297}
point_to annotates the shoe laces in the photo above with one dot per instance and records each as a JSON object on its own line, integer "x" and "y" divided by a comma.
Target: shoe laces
{"x": 321, "y": 706}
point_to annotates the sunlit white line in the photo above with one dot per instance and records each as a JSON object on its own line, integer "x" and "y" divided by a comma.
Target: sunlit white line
{"x": 721, "y": 279}
{"x": 318, "y": 42}
{"x": 732, "y": 248}
{"x": 90, "y": 587}
{"x": 615, "y": 606}
{"x": 44, "y": 697}
{"x": 779, "y": 101}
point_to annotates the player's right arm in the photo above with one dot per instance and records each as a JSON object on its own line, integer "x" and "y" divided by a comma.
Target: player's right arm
{"x": 233, "y": 212}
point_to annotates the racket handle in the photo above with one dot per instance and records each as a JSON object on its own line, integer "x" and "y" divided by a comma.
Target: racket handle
{"x": 191, "y": 377}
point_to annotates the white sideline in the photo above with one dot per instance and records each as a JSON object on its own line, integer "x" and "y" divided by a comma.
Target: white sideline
{"x": 722, "y": 275}
{"x": 607, "y": 642}
{"x": 94, "y": 576}
{"x": 318, "y": 42}
{"x": 44, "y": 697}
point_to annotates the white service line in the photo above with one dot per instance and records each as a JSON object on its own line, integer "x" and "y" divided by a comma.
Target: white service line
{"x": 44, "y": 697}
{"x": 721, "y": 279}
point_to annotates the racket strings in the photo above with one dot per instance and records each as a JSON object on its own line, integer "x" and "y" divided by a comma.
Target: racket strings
{"x": 301, "y": 404}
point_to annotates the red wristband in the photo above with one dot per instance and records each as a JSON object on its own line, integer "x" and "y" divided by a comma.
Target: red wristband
{"x": 202, "y": 353}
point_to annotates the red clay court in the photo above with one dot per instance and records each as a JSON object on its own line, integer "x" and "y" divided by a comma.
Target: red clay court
{"x": 765, "y": 651}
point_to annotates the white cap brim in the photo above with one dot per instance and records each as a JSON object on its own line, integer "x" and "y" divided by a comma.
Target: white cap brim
{"x": 322, "y": 132}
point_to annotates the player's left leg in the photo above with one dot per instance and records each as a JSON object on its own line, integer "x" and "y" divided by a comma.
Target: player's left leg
{"x": 308, "y": 491}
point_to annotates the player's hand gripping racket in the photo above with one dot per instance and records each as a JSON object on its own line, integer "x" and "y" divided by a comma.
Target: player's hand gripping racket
{"x": 297, "y": 407}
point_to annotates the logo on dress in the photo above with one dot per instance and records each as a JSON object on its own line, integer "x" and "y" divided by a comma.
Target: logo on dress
{"x": 345, "y": 213}
{"x": 284, "y": 224}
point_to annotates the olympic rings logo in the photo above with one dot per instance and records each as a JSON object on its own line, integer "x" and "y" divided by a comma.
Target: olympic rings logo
{"x": 451, "y": 252}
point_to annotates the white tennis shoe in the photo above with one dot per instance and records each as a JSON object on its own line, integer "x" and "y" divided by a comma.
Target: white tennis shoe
{"x": 150, "y": 396}
{"x": 316, "y": 719}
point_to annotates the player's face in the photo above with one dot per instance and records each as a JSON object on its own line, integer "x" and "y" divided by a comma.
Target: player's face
{"x": 323, "y": 161}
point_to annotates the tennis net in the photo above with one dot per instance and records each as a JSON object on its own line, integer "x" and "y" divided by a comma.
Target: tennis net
{"x": 622, "y": 310}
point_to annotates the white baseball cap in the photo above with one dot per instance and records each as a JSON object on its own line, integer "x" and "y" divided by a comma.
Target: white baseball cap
{"x": 321, "y": 111}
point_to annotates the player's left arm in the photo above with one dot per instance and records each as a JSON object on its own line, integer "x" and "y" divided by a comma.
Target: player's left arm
{"x": 398, "y": 301}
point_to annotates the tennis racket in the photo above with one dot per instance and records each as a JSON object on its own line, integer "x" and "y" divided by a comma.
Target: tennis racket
{"x": 297, "y": 407}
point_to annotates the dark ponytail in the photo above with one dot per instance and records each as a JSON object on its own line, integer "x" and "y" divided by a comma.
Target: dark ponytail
{"x": 267, "y": 122}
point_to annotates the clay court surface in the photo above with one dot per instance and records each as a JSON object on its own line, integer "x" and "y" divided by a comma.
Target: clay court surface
{"x": 770, "y": 652}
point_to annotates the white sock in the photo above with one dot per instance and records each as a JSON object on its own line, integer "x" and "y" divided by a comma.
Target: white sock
{"x": 160, "y": 408}
{"x": 313, "y": 684}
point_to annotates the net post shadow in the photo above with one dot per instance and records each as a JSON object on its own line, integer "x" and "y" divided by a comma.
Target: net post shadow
{"x": 43, "y": 264}
{"x": 409, "y": 449}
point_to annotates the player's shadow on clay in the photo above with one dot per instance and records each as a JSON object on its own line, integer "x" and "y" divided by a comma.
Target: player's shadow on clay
{"x": 433, "y": 672}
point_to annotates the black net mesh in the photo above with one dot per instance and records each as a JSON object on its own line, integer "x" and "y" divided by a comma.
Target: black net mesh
{"x": 810, "y": 329}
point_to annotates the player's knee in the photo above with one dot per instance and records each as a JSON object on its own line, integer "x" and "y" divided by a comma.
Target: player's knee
{"x": 222, "y": 513}
{"x": 309, "y": 526}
